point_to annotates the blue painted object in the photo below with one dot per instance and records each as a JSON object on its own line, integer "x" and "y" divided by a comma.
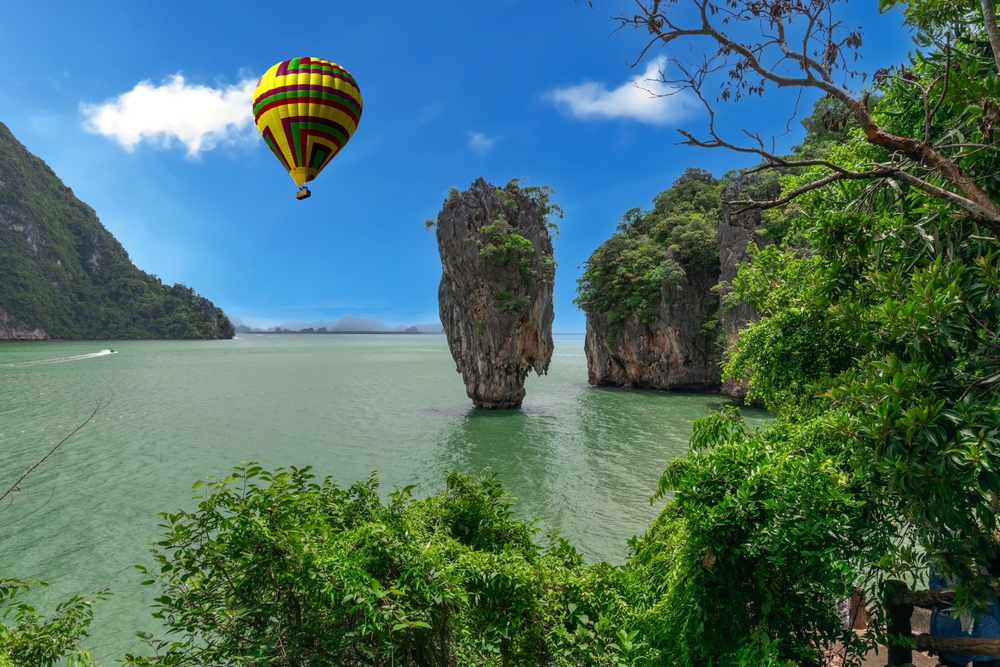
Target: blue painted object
{"x": 943, "y": 624}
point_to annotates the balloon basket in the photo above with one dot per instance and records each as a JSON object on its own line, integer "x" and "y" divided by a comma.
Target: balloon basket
{"x": 303, "y": 193}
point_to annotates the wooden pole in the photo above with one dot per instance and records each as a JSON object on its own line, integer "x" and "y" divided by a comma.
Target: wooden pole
{"x": 857, "y": 611}
{"x": 926, "y": 599}
{"x": 899, "y": 624}
{"x": 966, "y": 645}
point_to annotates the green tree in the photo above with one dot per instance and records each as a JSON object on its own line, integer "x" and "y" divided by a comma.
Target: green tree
{"x": 878, "y": 349}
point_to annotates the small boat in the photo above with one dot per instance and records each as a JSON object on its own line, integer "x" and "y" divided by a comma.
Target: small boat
{"x": 112, "y": 351}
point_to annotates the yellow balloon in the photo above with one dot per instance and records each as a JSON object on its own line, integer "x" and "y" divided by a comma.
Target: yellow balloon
{"x": 306, "y": 110}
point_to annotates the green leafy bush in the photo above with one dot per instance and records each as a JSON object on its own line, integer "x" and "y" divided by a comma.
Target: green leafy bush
{"x": 279, "y": 568}
{"x": 764, "y": 534}
{"x": 28, "y": 639}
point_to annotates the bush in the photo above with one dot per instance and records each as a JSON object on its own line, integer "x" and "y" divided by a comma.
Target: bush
{"x": 278, "y": 568}
{"x": 28, "y": 639}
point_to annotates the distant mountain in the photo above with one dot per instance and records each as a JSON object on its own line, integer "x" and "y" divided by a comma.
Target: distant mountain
{"x": 346, "y": 323}
{"x": 63, "y": 275}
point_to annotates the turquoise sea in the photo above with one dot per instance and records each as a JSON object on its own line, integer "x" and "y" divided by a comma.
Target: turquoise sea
{"x": 582, "y": 460}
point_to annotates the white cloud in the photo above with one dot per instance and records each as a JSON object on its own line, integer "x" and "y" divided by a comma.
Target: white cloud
{"x": 636, "y": 100}
{"x": 200, "y": 117}
{"x": 480, "y": 144}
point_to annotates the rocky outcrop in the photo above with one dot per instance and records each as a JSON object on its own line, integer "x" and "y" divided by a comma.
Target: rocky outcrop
{"x": 218, "y": 324}
{"x": 672, "y": 352}
{"x": 735, "y": 233}
{"x": 12, "y": 329}
{"x": 495, "y": 296}
{"x": 680, "y": 345}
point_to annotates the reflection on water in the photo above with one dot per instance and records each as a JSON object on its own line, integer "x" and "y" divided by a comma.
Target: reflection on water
{"x": 583, "y": 460}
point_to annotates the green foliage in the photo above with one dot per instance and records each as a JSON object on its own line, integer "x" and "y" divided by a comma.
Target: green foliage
{"x": 506, "y": 248}
{"x": 879, "y": 351}
{"x": 28, "y": 639}
{"x": 761, "y": 539}
{"x": 542, "y": 196}
{"x": 279, "y": 568}
{"x": 828, "y": 125}
{"x": 652, "y": 251}
{"x": 61, "y": 270}
{"x": 508, "y": 257}
{"x": 784, "y": 355}
{"x": 626, "y": 276}
{"x": 798, "y": 342}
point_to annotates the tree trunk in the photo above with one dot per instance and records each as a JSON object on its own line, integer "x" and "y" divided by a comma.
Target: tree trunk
{"x": 990, "y": 19}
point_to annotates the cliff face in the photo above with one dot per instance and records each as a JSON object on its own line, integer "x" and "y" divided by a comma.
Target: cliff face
{"x": 63, "y": 275}
{"x": 11, "y": 329}
{"x": 495, "y": 296}
{"x": 652, "y": 317}
{"x": 672, "y": 352}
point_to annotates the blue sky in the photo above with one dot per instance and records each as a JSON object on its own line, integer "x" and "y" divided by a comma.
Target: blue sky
{"x": 138, "y": 108}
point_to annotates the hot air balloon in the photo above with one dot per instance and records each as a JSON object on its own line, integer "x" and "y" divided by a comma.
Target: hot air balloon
{"x": 306, "y": 110}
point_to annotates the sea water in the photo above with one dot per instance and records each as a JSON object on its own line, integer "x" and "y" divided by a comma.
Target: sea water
{"x": 582, "y": 460}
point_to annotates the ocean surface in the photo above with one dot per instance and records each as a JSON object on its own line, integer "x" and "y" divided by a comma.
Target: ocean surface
{"x": 580, "y": 459}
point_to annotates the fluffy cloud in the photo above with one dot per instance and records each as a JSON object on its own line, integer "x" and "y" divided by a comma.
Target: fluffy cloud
{"x": 636, "y": 100}
{"x": 200, "y": 117}
{"x": 480, "y": 143}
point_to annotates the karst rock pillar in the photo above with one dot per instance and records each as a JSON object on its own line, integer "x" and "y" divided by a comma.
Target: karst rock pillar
{"x": 495, "y": 297}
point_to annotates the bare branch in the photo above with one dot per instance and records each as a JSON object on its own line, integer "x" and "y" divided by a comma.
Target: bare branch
{"x": 13, "y": 487}
{"x": 749, "y": 204}
{"x": 11, "y": 523}
{"x": 822, "y": 53}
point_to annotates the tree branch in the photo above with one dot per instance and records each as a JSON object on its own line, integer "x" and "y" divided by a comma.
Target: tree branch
{"x": 13, "y": 487}
{"x": 824, "y": 36}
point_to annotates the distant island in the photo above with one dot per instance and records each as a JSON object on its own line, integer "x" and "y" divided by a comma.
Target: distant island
{"x": 411, "y": 330}
{"x": 347, "y": 324}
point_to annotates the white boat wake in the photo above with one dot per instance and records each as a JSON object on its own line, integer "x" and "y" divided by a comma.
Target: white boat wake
{"x": 102, "y": 353}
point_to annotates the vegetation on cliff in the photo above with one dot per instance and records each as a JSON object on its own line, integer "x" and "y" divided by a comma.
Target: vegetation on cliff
{"x": 62, "y": 272}
{"x": 651, "y": 250}
{"x": 505, "y": 250}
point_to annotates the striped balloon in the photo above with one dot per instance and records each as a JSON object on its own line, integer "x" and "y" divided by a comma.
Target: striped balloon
{"x": 306, "y": 109}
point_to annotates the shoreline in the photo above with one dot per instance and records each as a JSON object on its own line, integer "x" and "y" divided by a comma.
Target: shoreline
{"x": 244, "y": 333}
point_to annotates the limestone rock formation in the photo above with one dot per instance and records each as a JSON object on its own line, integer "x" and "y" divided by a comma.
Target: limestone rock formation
{"x": 495, "y": 296}
{"x": 652, "y": 317}
{"x": 12, "y": 329}
{"x": 671, "y": 334}
{"x": 672, "y": 352}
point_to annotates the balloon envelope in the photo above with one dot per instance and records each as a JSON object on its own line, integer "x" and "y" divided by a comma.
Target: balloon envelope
{"x": 306, "y": 109}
